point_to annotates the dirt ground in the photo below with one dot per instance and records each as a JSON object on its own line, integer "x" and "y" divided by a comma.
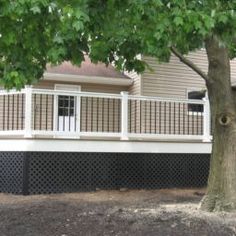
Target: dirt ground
{"x": 139, "y": 212}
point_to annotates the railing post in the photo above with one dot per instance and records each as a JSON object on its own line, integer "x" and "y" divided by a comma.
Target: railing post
{"x": 28, "y": 111}
{"x": 124, "y": 116}
{"x": 78, "y": 114}
{"x": 206, "y": 120}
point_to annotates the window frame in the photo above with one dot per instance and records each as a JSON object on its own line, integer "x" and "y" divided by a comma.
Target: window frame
{"x": 194, "y": 113}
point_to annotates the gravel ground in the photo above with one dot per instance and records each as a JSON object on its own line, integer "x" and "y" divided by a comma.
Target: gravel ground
{"x": 140, "y": 212}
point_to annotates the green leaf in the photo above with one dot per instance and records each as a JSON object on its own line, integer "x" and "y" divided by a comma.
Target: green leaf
{"x": 223, "y": 18}
{"x": 178, "y": 21}
{"x": 78, "y": 25}
{"x": 35, "y": 9}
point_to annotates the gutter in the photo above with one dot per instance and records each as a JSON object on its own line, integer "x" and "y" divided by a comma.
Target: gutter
{"x": 88, "y": 79}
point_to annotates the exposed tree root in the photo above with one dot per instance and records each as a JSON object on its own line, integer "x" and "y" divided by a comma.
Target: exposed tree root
{"x": 216, "y": 203}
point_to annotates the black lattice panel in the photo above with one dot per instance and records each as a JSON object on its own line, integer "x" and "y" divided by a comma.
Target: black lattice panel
{"x": 105, "y": 170}
{"x": 52, "y": 172}
{"x": 11, "y": 172}
{"x": 59, "y": 172}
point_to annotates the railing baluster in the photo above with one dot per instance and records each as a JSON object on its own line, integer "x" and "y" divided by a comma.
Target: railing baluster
{"x": 187, "y": 117}
{"x": 8, "y": 115}
{"x": 160, "y": 117}
{"x": 130, "y": 114}
{"x": 22, "y": 110}
{"x": 97, "y": 112}
{"x": 75, "y": 114}
{"x": 119, "y": 115}
{"x": 3, "y": 113}
{"x": 150, "y": 117}
{"x": 165, "y": 117}
{"x": 81, "y": 113}
{"x": 145, "y": 117}
{"x": 113, "y": 114}
{"x": 155, "y": 104}
{"x": 91, "y": 114}
{"x": 17, "y": 113}
{"x": 108, "y": 117}
{"x": 140, "y": 114}
{"x": 170, "y": 120}
{"x": 173, "y": 118}
{"x": 197, "y": 121}
{"x": 86, "y": 126}
{"x": 179, "y": 120}
{"x": 13, "y": 118}
{"x": 135, "y": 116}
{"x": 46, "y": 112}
{"x": 184, "y": 113}
{"x": 52, "y": 112}
{"x": 69, "y": 109}
{"x": 35, "y": 110}
{"x": 193, "y": 123}
{"x": 40, "y": 113}
{"x": 102, "y": 114}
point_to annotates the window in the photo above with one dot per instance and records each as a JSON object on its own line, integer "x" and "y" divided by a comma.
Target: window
{"x": 198, "y": 95}
{"x": 65, "y": 105}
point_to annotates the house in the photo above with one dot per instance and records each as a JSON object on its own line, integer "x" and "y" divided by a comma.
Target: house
{"x": 93, "y": 128}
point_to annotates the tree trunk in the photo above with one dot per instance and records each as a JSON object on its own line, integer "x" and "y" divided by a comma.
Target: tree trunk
{"x": 221, "y": 190}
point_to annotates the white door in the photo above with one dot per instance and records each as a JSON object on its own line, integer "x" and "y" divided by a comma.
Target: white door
{"x": 66, "y": 113}
{"x": 67, "y": 109}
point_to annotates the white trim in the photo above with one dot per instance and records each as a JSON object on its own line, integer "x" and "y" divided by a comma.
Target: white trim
{"x": 195, "y": 113}
{"x": 67, "y": 87}
{"x": 88, "y": 79}
{"x": 160, "y": 99}
{"x": 45, "y": 145}
{"x": 62, "y": 134}
{"x": 11, "y": 92}
{"x": 12, "y": 132}
{"x": 169, "y": 137}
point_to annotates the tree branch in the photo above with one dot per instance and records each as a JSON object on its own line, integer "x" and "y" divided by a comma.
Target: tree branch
{"x": 189, "y": 63}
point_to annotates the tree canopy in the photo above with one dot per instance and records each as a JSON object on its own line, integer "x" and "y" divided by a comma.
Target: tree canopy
{"x": 36, "y": 32}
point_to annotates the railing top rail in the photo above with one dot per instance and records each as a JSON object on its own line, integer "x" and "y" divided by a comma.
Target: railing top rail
{"x": 160, "y": 99}
{"x": 102, "y": 95}
{"x": 11, "y": 92}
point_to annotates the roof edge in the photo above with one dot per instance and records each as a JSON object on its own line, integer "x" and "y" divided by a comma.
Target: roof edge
{"x": 88, "y": 79}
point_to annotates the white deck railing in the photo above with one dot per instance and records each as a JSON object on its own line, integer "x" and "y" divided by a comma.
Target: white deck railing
{"x": 34, "y": 113}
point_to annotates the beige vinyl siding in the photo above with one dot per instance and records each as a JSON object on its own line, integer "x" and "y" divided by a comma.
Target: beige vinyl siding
{"x": 135, "y": 88}
{"x": 174, "y": 79}
{"x": 85, "y": 87}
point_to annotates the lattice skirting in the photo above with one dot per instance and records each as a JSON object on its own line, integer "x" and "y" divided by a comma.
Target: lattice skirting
{"x": 50, "y": 172}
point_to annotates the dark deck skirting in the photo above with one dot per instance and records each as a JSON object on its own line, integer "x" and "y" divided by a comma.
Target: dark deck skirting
{"x": 59, "y": 172}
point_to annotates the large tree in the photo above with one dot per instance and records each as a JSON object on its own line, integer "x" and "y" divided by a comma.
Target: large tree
{"x": 36, "y": 32}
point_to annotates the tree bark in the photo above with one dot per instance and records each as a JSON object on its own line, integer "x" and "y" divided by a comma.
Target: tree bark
{"x": 221, "y": 190}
